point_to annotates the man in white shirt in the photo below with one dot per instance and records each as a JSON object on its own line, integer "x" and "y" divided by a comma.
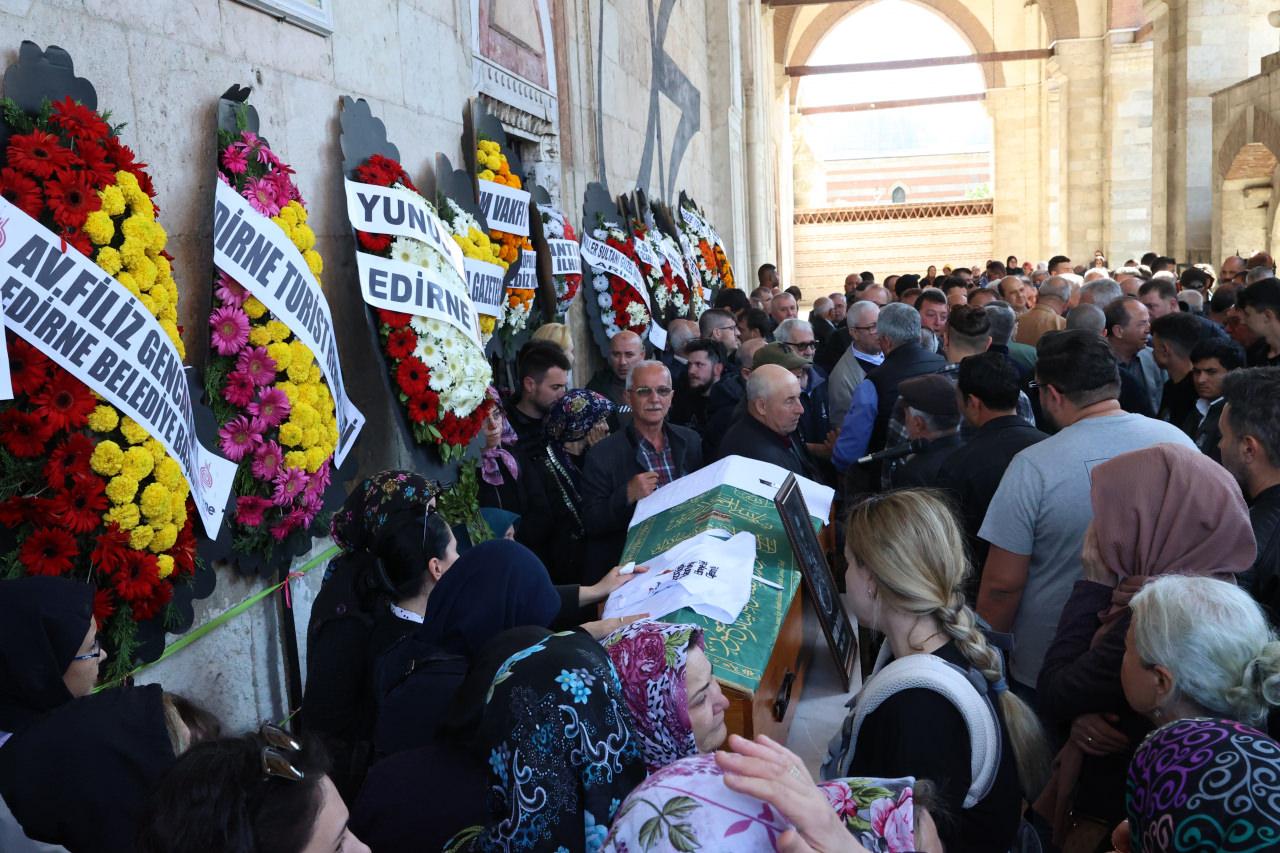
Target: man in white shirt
{"x": 862, "y": 355}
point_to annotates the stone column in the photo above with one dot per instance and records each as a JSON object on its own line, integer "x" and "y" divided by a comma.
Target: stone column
{"x": 1078, "y": 63}
{"x": 1128, "y": 208}
{"x": 757, "y": 74}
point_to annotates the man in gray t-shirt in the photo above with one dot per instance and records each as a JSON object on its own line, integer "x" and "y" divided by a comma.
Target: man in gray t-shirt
{"x": 1039, "y": 514}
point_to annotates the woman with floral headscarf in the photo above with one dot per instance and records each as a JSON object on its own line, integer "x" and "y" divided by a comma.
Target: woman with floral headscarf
{"x": 552, "y": 523}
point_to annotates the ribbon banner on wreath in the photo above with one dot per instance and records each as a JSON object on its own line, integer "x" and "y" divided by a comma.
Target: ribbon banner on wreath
{"x": 97, "y": 330}
{"x": 251, "y": 249}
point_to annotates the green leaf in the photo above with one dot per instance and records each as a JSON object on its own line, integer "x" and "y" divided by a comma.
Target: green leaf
{"x": 679, "y": 806}
{"x": 683, "y": 838}
{"x": 650, "y": 832}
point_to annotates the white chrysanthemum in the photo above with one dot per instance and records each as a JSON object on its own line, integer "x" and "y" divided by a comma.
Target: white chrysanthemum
{"x": 429, "y": 353}
{"x": 421, "y": 325}
{"x": 605, "y": 301}
{"x": 404, "y": 250}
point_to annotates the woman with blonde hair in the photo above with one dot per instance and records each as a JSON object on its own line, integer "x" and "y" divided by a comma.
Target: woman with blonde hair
{"x": 937, "y": 705}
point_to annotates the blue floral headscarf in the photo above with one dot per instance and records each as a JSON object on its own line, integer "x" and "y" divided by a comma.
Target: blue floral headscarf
{"x": 574, "y": 414}
{"x": 380, "y": 497}
{"x": 561, "y": 753}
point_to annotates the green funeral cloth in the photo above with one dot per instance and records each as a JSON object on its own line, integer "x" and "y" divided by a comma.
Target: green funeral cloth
{"x": 739, "y": 652}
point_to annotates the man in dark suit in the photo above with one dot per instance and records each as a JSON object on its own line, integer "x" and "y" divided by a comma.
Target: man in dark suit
{"x": 630, "y": 464}
{"x": 1211, "y": 361}
{"x": 987, "y": 390}
{"x": 767, "y": 429}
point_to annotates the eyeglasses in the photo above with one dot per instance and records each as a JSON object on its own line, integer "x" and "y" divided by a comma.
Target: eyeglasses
{"x": 646, "y": 391}
{"x": 92, "y": 654}
{"x": 732, "y": 327}
{"x": 870, "y": 328}
{"x": 800, "y": 345}
{"x": 275, "y": 760}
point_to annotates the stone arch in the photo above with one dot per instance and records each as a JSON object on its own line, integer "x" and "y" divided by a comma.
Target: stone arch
{"x": 1252, "y": 130}
{"x": 1246, "y": 165}
{"x": 954, "y": 12}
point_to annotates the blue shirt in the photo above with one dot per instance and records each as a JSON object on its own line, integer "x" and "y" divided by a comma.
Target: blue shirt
{"x": 855, "y": 432}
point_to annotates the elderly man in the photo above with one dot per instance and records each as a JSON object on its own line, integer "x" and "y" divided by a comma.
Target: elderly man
{"x": 767, "y": 431}
{"x": 839, "y": 305}
{"x": 1051, "y": 304}
{"x": 1100, "y": 292}
{"x": 783, "y": 307}
{"x": 1232, "y": 270}
{"x": 679, "y": 334}
{"x": 626, "y": 350}
{"x": 796, "y": 337}
{"x": 933, "y": 417}
{"x": 820, "y": 319}
{"x": 1011, "y": 291}
{"x": 862, "y": 356}
{"x": 866, "y": 424}
{"x": 1128, "y": 327}
{"x": 631, "y": 463}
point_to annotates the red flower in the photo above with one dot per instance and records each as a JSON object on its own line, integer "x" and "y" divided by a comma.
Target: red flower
{"x": 78, "y": 120}
{"x": 38, "y": 153}
{"x": 111, "y": 553}
{"x": 383, "y": 171}
{"x": 394, "y": 319}
{"x": 184, "y": 551}
{"x": 137, "y": 578}
{"x": 250, "y": 510}
{"x": 104, "y": 605}
{"x": 423, "y": 411}
{"x": 21, "y": 191}
{"x": 151, "y": 606}
{"x": 97, "y": 168}
{"x": 79, "y": 507}
{"x": 71, "y": 198}
{"x": 24, "y": 433}
{"x": 79, "y": 241}
{"x": 65, "y": 402}
{"x": 14, "y": 511}
{"x": 48, "y": 551}
{"x": 375, "y": 243}
{"x": 121, "y": 156}
{"x": 401, "y": 343}
{"x": 29, "y": 367}
{"x": 412, "y": 375}
{"x": 69, "y": 459}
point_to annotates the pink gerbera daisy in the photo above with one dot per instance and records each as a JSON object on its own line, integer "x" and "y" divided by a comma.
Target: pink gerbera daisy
{"x": 257, "y": 365}
{"x": 266, "y": 460}
{"x": 239, "y": 437}
{"x": 234, "y": 160}
{"x": 289, "y": 482}
{"x": 239, "y": 389}
{"x": 250, "y": 510}
{"x": 261, "y": 194}
{"x": 229, "y": 290}
{"x": 272, "y": 407}
{"x": 230, "y": 330}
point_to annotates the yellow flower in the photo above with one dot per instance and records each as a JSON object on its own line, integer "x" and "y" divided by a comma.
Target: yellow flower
{"x": 316, "y": 457}
{"x": 314, "y": 262}
{"x": 304, "y": 415}
{"x": 156, "y": 449}
{"x": 126, "y": 516}
{"x": 259, "y": 336}
{"x": 99, "y": 227}
{"x": 103, "y": 419}
{"x": 313, "y": 374}
{"x": 137, "y": 463}
{"x": 133, "y": 432}
{"x": 178, "y": 506}
{"x": 310, "y": 437}
{"x": 140, "y": 536}
{"x": 299, "y": 370}
{"x": 254, "y": 308}
{"x": 164, "y": 565}
{"x": 155, "y": 503}
{"x": 121, "y": 488}
{"x": 107, "y": 458}
{"x": 290, "y": 390}
{"x": 168, "y": 473}
{"x": 148, "y": 303}
{"x": 307, "y": 394}
{"x": 171, "y": 329}
{"x": 157, "y": 236}
{"x": 165, "y": 537}
{"x": 485, "y": 175}
{"x": 295, "y": 459}
{"x": 144, "y": 271}
{"x": 112, "y": 200}
{"x": 303, "y": 237}
{"x": 290, "y": 434}
{"x": 282, "y": 355}
{"x": 279, "y": 331}
{"x": 109, "y": 259}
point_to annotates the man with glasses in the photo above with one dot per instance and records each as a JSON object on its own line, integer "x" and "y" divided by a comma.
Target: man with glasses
{"x": 721, "y": 326}
{"x": 630, "y": 464}
{"x": 862, "y": 356}
{"x": 796, "y": 337}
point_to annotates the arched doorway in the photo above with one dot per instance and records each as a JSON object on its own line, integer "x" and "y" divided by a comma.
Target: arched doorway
{"x": 1248, "y": 215}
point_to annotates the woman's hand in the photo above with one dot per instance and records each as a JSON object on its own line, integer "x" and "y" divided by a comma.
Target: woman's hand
{"x": 600, "y": 590}
{"x": 1091, "y": 560}
{"x": 770, "y": 772}
{"x": 602, "y": 628}
{"x": 1096, "y": 734}
{"x": 598, "y": 433}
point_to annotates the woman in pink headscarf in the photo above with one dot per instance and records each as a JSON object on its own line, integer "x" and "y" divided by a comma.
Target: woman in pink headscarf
{"x": 1167, "y": 509}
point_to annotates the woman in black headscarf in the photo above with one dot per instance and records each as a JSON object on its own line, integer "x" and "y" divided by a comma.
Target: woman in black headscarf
{"x": 560, "y": 750}
{"x": 49, "y": 651}
{"x": 395, "y": 549}
{"x": 80, "y": 774}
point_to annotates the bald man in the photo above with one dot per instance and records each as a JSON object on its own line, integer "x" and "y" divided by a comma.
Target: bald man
{"x": 767, "y": 429}
{"x": 1011, "y": 291}
{"x": 626, "y": 350}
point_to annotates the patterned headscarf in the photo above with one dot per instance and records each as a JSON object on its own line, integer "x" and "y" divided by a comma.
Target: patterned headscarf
{"x": 574, "y": 414}
{"x": 491, "y": 458}
{"x": 356, "y": 526}
{"x": 561, "y": 753}
{"x": 686, "y": 806}
{"x": 1202, "y": 784}
{"x": 650, "y": 658}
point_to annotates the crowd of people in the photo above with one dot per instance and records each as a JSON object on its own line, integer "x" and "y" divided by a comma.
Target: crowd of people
{"x": 1057, "y": 516}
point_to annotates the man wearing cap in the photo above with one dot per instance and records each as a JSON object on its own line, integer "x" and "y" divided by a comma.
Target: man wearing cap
{"x": 767, "y": 429}
{"x": 933, "y": 416}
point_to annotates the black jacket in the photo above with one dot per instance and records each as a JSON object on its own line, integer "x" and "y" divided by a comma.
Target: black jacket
{"x": 973, "y": 473}
{"x": 822, "y": 328}
{"x": 1264, "y": 576}
{"x": 753, "y": 440}
{"x": 923, "y": 469}
{"x": 904, "y": 362}
{"x": 605, "y": 509}
{"x": 722, "y": 407}
{"x": 1205, "y": 432}
{"x": 829, "y": 351}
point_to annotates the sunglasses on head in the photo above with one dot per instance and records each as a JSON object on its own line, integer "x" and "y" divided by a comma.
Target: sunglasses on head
{"x": 277, "y": 747}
